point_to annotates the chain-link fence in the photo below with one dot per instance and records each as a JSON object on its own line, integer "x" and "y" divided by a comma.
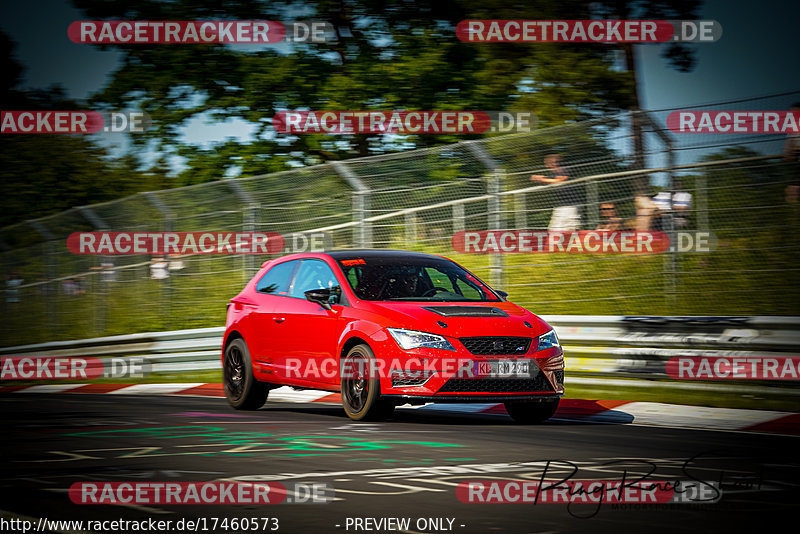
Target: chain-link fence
{"x": 733, "y": 186}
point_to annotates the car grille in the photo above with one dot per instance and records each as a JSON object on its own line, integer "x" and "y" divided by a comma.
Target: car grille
{"x": 559, "y": 377}
{"x": 497, "y": 346}
{"x": 496, "y": 385}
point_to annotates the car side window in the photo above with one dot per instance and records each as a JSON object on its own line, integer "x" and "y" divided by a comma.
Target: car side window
{"x": 313, "y": 274}
{"x": 277, "y": 279}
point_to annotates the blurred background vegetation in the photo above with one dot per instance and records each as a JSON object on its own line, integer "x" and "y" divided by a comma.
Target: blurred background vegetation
{"x": 388, "y": 55}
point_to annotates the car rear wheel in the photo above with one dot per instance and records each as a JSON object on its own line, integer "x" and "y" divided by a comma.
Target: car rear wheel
{"x": 532, "y": 412}
{"x": 360, "y": 386}
{"x": 242, "y": 390}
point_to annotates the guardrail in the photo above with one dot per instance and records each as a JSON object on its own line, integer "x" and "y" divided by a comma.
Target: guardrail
{"x": 612, "y": 347}
{"x": 596, "y": 347}
{"x": 174, "y": 351}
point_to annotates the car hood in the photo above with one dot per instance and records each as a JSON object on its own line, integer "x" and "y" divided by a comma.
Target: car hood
{"x": 461, "y": 319}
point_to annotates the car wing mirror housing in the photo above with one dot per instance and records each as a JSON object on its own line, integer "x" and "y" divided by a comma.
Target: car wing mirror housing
{"x": 321, "y": 296}
{"x": 502, "y": 294}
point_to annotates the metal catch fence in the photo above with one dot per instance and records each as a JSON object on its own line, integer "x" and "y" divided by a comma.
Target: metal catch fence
{"x": 733, "y": 187}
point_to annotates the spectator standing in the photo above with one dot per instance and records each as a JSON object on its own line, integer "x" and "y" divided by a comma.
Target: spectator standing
{"x": 646, "y": 209}
{"x": 678, "y": 205}
{"x": 108, "y": 274}
{"x": 159, "y": 268}
{"x": 566, "y": 215}
{"x": 176, "y": 262}
{"x": 610, "y": 222}
{"x": 13, "y": 281}
{"x": 69, "y": 287}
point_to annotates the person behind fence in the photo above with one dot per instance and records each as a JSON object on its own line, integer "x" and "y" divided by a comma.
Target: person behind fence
{"x": 159, "y": 268}
{"x": 69, "y": 287}
{"x": 566, "y": 214}
{"x": 106, "y": 270}
{"x": 645, "y": 211}
{"x": 791, "y": 155}
{"x": 13, "y": 281}
{"x": 677, "y": 204}
{"x": 610, "y": 220}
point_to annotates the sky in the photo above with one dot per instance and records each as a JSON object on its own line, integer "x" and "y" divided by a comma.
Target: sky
{"x": 757, "y": 55}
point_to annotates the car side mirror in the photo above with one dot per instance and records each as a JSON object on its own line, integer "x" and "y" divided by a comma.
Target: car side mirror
{"x": 321, "y": 296}
{"x": 502, "y": 294}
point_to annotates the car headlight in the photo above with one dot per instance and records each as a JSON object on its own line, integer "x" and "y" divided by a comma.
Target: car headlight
{"x": 411, "y": 339}
{"x": 548, "y": 341}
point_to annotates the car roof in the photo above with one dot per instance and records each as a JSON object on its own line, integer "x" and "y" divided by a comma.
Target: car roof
{"x": 357, "y": 253}
{"x": 345, "y": 254}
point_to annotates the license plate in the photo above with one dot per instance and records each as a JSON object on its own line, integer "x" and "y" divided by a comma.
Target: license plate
{"x": 503, "y": 369}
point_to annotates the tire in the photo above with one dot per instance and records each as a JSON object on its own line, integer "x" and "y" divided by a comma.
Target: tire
{"x": 532, "y": 412}
{"x": 361, "y": 389}
{"x": 242, "y": 390}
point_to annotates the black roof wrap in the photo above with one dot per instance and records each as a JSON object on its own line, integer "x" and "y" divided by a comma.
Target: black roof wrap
{"x": 382, "y": 254}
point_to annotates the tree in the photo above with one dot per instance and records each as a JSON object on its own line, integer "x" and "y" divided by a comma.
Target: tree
{"x": 679, "y": 56}
{"x": 48, "y": 173}
{"x": 389, "y": 54}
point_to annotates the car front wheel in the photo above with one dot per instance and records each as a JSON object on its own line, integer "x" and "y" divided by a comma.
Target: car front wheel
{"x": 242, "y": 390}
{"x": 532, "y": 412}
{"x": 360, "y": 386}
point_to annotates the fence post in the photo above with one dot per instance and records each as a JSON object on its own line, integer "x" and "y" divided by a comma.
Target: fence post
{"x": 362, "y": 234}
{"x": 167, "y": 223}
{"x": 51, "y": 271}
{"x": 96, "y": 287}
{"x": 671, "y": 257}
{"x": 459, "y": 221}
{"x": 493, "y": 188}
{"x": 520, "y": 212}
{"x": 701, "y": 196}
{"x": 249, "y": 222}
{"x": 496, "y": 261}
{"x": 411, "y": 228}
{"x": 592, "y": 204}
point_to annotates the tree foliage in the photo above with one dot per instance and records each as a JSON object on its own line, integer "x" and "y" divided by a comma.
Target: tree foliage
{"x": 47, "y": 173}
{"x": 389, "y": 54}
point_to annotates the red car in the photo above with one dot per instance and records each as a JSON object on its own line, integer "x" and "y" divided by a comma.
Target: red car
{"x": 387, "y": 328}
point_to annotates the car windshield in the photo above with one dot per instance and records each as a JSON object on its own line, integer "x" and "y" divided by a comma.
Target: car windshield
{"x": 413, "y": 279}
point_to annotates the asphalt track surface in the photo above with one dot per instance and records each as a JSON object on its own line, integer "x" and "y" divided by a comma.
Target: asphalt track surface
{"x": 404, "y": 467}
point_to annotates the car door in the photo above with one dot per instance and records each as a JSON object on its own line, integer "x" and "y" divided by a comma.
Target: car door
{"x": 310, "y": 333}
{"x": 271, "y": 290}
